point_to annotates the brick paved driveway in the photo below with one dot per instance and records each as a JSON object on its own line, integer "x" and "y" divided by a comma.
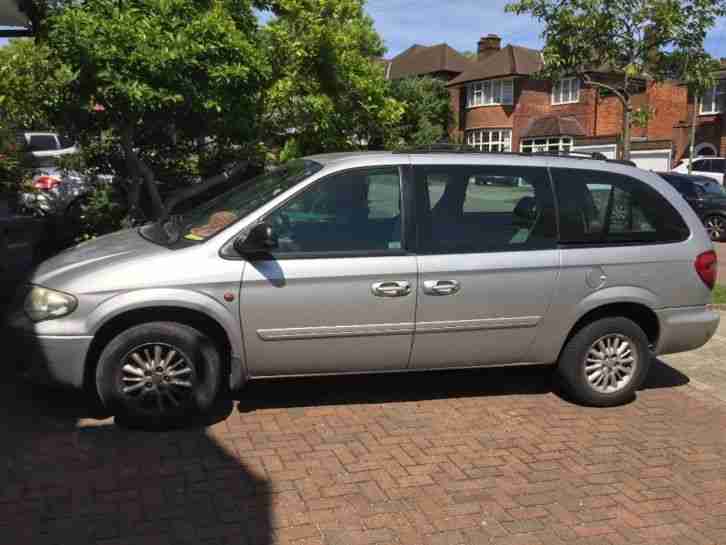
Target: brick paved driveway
{"x": 448, "y": 458}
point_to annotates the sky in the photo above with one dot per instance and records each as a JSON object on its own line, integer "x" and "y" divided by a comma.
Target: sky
{"x": 461, "y": 23}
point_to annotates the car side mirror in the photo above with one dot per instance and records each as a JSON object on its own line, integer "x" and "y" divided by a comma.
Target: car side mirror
{"x": 260, "y": 240}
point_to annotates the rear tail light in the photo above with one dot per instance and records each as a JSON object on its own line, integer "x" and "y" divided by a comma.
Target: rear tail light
{"x": 707, "y": 268}
{"x": 46, "y": 183}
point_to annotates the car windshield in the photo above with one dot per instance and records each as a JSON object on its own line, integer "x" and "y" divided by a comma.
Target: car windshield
{"x": 208, "y": 219}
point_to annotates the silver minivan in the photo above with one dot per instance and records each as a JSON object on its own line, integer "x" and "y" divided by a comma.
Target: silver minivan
{"x": 377, "y": 262}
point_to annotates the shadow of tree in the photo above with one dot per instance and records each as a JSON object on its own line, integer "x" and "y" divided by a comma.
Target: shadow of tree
{"x": 67, "y": 479}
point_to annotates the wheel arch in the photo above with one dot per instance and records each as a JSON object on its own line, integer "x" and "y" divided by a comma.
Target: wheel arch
{"x": 638, "y": 312}
{"x": 195, "y": 318}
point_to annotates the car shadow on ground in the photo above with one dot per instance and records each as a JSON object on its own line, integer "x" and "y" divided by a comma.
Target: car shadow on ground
{"x": 68, "y": 474}
{"x": 397, "y": 387}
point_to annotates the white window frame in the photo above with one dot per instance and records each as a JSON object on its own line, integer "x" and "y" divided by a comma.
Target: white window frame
{"x": 493, "y": 92}
{"x": 563, "y": 144}
{"x": 571, "y": 85}
{"x": 489, "y": 139}
{"x": 712, "y": 101}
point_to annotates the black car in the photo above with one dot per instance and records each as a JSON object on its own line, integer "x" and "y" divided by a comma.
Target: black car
{"x": 706, "y": 196}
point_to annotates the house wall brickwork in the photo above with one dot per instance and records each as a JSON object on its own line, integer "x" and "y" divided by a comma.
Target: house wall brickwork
{"x": 598, "y": 116}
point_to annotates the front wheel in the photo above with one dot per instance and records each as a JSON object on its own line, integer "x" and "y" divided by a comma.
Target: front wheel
{"x": 715, "y": 227}
{"x": 159, "y": 374}
{"x": 605, "y": 362}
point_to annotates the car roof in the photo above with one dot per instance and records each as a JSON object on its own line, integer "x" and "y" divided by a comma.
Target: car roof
{"x": 355, "y": 159}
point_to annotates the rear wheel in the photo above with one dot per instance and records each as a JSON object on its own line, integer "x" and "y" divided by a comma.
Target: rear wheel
{"x": 605, "y": 362}
{"x": 159, "y": 374}
{"x": 715, "y": 227}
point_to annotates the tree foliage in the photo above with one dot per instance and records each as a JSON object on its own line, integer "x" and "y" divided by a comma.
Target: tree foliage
{"x": 427, "y": 111}
{"x": 326, "y": 87}
{"x": 635, "y": 39}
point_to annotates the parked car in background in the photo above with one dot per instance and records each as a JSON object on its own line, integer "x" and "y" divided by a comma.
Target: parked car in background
{"x": 707, "y": 198}
{"x": 46, "y": 144}
{"x": 379, "y": 262}
{"x": 710, "y": 167}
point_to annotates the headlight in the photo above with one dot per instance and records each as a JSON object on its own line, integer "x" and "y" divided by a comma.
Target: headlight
{"x": 44, "y": 304}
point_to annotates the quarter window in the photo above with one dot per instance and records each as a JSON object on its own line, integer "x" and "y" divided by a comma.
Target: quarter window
{"x": 490, "y": 93}
{"x": 566, "y": 91}
{"x": 561, "y": 144}
{"x": 602, "y": 207}
{"x": 355, "y": 211}
{"x": 475, "y": 209}
{"x": 492, "y": 140}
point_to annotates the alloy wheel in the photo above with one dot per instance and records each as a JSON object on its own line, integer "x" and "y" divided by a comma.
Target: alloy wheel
{"x": 716, "y": 227}
{"x": 157, "y": 378}
{"x": 610, "y": 363}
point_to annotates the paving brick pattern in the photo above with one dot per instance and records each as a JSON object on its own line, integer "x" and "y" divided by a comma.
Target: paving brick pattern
{"x": 438, "y": 459}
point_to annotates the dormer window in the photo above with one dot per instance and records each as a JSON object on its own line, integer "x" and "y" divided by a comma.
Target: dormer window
{"x": 566, "y": 91}
{"x": 497, "y": 92}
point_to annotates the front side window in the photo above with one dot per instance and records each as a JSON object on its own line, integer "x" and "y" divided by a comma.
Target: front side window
{"x": 207, "y": 220}
{"x": 476, "y": 209}
{"x": 490, "y": 93}
{"x": 566, "y": 91}
{"x": 355, "y": 211}
{"x": 602, "y": 207}
{"x": 559, "y": 144}
{"x": 491, "y": 140}
{"x": 712, "y": 101}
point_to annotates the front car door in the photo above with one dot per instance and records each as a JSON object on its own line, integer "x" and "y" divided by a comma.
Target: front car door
{"x": 488, "y": 262}
{"x": 339, "y": 294}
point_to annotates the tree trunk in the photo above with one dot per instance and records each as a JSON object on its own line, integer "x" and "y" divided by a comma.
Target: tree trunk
{"x": 694, "y": 117}
{"x": 627, "y": 122}
{"x": 140, "y": 170}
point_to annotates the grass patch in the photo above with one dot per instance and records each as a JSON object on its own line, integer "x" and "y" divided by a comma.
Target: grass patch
{"x": 719, "y": 295}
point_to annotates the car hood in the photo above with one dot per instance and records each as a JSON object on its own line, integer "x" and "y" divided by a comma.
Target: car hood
{"x": 93, "y": 255}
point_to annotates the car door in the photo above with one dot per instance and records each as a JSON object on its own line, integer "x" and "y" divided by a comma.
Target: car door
{"x": 339, "y": 293}
{"x": 488, "y": 263}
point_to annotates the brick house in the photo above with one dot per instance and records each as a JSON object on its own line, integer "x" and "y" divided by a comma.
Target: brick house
{"x": 501, "y": 105}
{"x": 710, "y": 121}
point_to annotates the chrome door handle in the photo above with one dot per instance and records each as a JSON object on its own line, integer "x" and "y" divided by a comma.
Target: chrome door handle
{"x": 441, "y": 287}
{"x": 397, "y": 288}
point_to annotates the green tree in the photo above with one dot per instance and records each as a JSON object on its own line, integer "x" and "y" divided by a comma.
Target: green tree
{"x": 327, "y": 89}
{"x": 156, "y": 76}
{"x": 633, "y": 39}
{"x": 427, "y": 111}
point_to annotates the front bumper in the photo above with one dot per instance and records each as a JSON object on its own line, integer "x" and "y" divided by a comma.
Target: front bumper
{"x": 685, "y": 328}
{"x": 47, "y": 359}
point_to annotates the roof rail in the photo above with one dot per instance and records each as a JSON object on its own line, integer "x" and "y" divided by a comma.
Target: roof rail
{"x": 463, "y": 148}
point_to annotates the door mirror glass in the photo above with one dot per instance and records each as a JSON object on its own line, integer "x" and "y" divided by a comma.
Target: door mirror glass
{"x": 260, "y": 239}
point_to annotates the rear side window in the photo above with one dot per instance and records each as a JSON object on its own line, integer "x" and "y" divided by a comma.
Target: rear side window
{"x": 604, "y": 208}
{"x": 476, "y": 209}
{"x": 42, "y": 142}
{"x": 717, "y": 165}
{"x": 703, "y": 165}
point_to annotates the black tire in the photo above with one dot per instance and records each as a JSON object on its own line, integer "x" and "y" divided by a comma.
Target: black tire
{"x": 715, "y": 225}
{"x": 571, "y": 365}
{"x": 186, "y": 356}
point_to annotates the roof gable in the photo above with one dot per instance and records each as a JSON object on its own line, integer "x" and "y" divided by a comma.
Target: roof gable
{"x": 420, "y": 60}
{"x": 511, "y": 60}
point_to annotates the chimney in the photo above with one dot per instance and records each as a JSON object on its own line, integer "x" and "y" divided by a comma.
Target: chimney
{"x": 488, "y": 45}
